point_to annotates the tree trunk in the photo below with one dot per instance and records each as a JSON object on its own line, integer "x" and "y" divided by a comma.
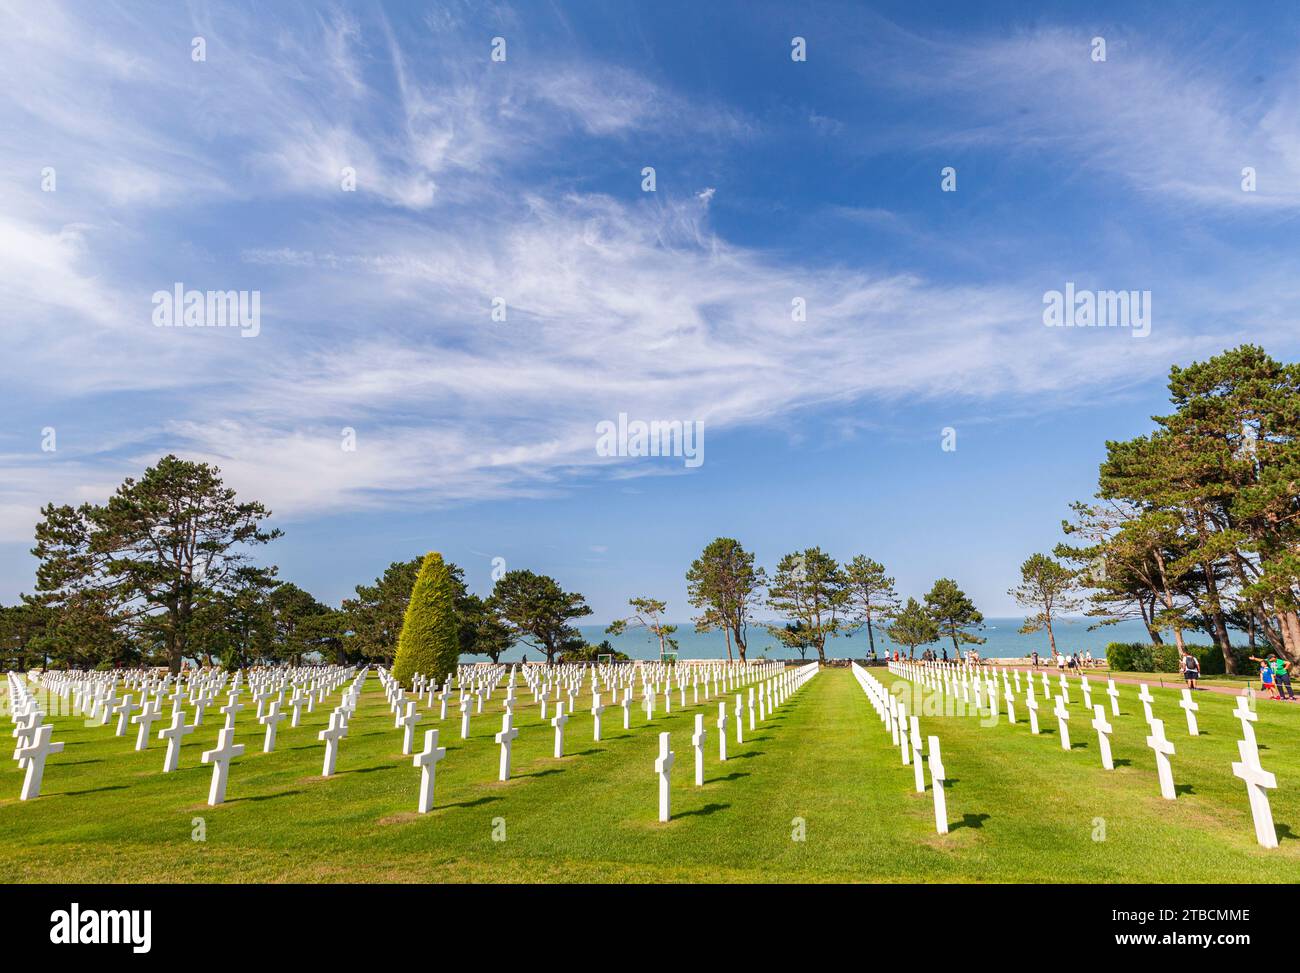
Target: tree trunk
{"x": 1289, "y": 623}
{"x": 870, "y": 636}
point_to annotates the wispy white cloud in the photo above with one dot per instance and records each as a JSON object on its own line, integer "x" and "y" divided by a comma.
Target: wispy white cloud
{"x": 1167, "y": 118}
{"x": 378, "y": 317}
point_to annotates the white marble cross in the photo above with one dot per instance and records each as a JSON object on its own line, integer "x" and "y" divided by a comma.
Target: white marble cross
{"x": 1113, "y": 692}
{"x": 336, "y": 731}
{"x": 663, "y": 768}
{"x": 1010, "y": 699}
{"x": 1247, "y": 716}
{"x": 558, "y": 722}
{"x": 149, "y": 714}
{"x": 296, "y": 701}
{"x": 231, "y": 710}
{"x": 740, "y": 718}
{"x": 201, "y": 704}
{"x": 173, "y": 735}
{"x": 407, "y": 722}
{"x": 722, "y": 729}
{"x": 1144, "y": 694}
{"x": 506, "y": 739}
{"x": 261, "y": 699}
{"x": 123, "y": 710}
{"x": 271, "y": 719}
{"x": 1258, "y": 781}
{"x": 1190, "y": 705}
{"x": 1065, "y": 688}
{"x": 1031, "y": 702}
{"x": 937, "y": 777}
{"x": 627, "y": 707}
{"x": 901, "y": 722}
{"x": 596, "y": 711}
{"x": 33, "y": 757}
{"x": 1104, "y": 730}
{"x": 1163, "y": 750}
{"x": 918, "y": 768}
{"x": 1087, "y": 693}
{"x": 467, "y": 707}
{"x": 1062, "y": 721}
{"x": 427, "y": 761}
{"x": 697, "y": 741}
{"x": 751, "y": 708}
{"x": 220, "y": 757}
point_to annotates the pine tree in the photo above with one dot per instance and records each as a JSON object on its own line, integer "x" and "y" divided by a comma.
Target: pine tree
{"x": 430, "y": 639}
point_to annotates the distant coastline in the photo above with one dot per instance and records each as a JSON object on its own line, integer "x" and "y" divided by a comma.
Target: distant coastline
{"x": 1002, "y": 634}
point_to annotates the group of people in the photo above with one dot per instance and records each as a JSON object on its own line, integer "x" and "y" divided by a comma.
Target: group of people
{"x": 1073, "y": 662}
{"x": 1275, "y": 676}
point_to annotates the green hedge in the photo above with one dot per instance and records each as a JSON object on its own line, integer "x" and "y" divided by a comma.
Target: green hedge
{"x": 1130, "y": 657}
{"x": 1141, "y": 657}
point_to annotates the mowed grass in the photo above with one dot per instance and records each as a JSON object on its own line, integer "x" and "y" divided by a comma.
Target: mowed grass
{"x": 1021, "y": 809}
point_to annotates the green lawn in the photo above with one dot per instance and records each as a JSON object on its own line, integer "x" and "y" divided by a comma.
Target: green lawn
{"x": 1021, "y": 808}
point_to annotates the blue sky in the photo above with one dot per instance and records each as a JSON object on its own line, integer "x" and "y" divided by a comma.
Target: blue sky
{"x": 521, "y": 180}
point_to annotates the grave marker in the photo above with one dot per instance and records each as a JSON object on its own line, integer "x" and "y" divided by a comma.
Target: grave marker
{"x": 1163, "y": 750}
{"x": 663, "y": 768}
{"x": 427, "y": 761}
{"x": 220, "y": 757}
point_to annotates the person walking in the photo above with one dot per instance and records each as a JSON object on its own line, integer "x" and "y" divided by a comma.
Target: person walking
{"x": 1191, "y": 669}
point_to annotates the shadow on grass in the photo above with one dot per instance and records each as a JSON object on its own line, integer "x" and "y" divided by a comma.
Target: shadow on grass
{"x": 1284, "y": 833}
{"x": 1121, "y": 762}
{"x": 706, "y": 810}
{"x": 539, "y": 773}
{"x": 734, "y": 775}
{"x": 96, "y": 790}
{"x": 367, "y": 770}
{"x": 1184, "y": 789}
{"x": 746, "y": 755}
{"x": 588, "y": 752}
{"x": 261, "y": 797}
{"x": 971, "y": 821}
{"x": 476, "y": 802}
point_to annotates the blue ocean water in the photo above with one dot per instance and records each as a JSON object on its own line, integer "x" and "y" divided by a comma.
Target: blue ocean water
{"x": 1003, "y": 641}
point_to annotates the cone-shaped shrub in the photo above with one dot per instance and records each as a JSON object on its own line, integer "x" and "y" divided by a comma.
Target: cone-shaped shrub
{"x": 429, "y": 643}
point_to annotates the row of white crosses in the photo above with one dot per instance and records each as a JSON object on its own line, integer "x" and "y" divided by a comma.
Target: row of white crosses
{"x": 787, "y": 683}
{"x": 95, "y": 695}
{"x": 1257, "y": 780}
{"x": 906, "y": 733}
{"x": 546, "y": 683}
{"x": 32, "y": 736}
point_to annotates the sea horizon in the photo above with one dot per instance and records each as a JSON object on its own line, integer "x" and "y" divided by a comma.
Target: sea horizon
{"x": 1001, "y": 634}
